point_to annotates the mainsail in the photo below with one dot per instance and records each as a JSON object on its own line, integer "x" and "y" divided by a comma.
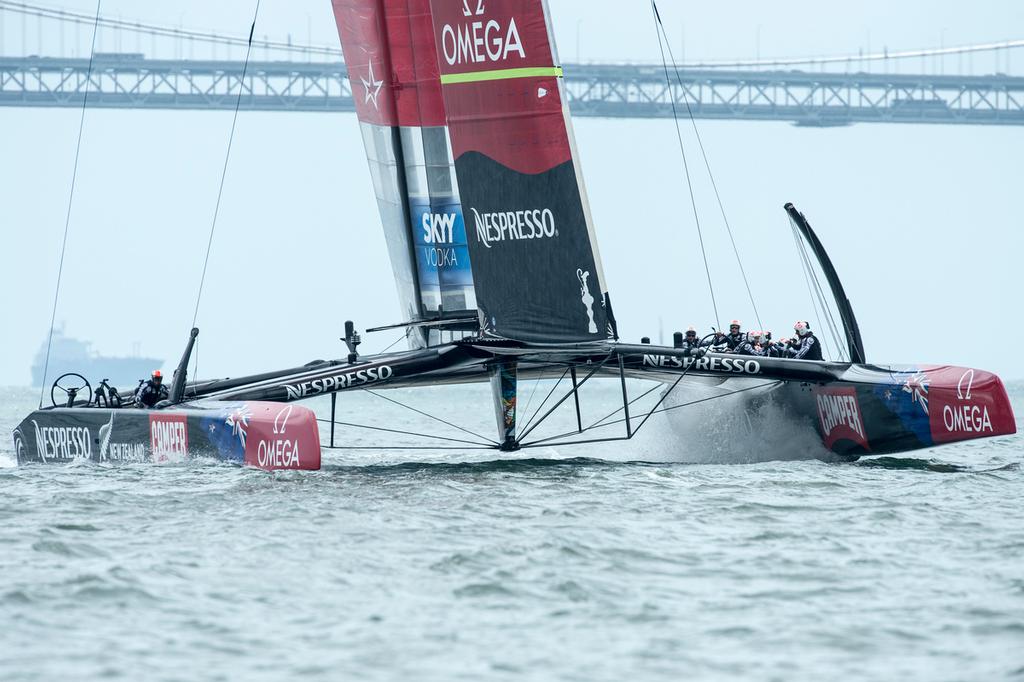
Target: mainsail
{"x": 390, "y": 56}
{"x": 536, "y": 267}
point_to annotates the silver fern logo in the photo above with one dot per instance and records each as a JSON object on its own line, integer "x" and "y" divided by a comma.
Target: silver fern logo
{"x": 105, "y": 432}
{"x": 587, "y": 298}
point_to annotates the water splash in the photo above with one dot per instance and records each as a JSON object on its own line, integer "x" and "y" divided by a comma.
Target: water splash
{"x": 742, "y": 428}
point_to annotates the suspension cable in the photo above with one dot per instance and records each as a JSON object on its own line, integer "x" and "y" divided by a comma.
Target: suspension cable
{"x": 227, "y": 158}
{"x": 71, "y": 202}
{"x": 659, "y": 29}
{"x": 711, "y": 175}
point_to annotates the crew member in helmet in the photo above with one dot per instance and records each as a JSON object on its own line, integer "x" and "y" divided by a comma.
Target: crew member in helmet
{"x": 152, "y": 392}
{"x": 752, "y": 345}
{"x": 691, "y": 342}
{"x": 735, "y": 338}
{"x": 805, "y": 346}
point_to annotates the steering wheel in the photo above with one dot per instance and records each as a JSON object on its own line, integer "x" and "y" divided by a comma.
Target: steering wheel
{"x": 71, "y": 389}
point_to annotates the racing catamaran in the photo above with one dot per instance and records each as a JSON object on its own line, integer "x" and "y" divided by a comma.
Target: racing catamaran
{"x": 473, "y": 159}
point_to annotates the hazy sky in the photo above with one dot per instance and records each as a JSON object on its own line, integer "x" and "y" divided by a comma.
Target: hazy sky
{"x": 924, "y": 223}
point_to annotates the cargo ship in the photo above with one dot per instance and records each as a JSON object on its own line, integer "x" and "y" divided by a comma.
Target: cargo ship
{"x": 68, "y": 354}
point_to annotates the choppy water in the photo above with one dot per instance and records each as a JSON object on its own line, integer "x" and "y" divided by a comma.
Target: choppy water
{"x": 541, "y": 569}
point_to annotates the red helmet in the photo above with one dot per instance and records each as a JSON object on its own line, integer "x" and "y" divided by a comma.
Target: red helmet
{"x": 157, "y": 374}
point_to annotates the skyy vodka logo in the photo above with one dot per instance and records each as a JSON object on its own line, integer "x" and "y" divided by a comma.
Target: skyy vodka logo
{"x": 514, "y": 225}
{"x": 477, "y": 40}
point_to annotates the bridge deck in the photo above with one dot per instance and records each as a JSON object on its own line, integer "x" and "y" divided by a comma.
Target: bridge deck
{"x": 611, "y": 91}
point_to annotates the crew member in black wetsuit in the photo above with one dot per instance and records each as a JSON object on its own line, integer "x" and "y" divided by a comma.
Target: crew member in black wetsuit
{"x": 152, "y": 392}
{"x": 752, "y": 346}
{"x": 735, "y": 337}
{"x": 806, "y": 345}
{"x": 691, "y": 342}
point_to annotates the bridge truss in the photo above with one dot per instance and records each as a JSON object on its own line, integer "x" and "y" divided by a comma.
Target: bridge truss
{"x": 609, "y": 91}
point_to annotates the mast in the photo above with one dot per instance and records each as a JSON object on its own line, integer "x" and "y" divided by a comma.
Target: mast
{"x": 850, "y": 327}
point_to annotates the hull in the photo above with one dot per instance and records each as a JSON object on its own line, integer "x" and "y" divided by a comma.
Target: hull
{"x": 268, "y": 436}
{"x": 857, "y": 410}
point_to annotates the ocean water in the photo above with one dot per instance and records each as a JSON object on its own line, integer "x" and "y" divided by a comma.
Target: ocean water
{"x": 649, "y": 560}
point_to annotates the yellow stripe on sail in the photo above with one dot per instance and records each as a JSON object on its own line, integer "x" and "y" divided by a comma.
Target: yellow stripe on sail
{"x": 501, "y": 74}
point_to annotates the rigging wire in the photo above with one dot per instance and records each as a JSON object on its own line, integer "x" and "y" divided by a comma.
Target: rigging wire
{"x": 707, "y": 164}
{"x": 393, "y": 344}
{"x": 805, "y": 269}
{"x": 543, "y": 402}
{"x": 369, "y": 427}
{"x": 536, "y": 383}
{"x": 428, "y": 415}
{"x": 659, "y": 29}
{"x": 817, "y": 296}
{"x": 227, "y": 158}
{"x": 71, "y": 202}
{"x": 833, "y": 326}
{"x": 549, "y": 441}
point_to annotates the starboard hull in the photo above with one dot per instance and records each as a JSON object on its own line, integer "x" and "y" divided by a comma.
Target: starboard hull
{"x": 858, "y": 410}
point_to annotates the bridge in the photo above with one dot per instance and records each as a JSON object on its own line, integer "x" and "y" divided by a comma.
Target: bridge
{"x": 804, "y": 91}
{"x": 614, "y": 91}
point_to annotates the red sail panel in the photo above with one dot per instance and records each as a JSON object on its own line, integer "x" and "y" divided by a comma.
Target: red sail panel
{"x": 536, "y": 270}
{"x": 389, "y": 54}
{"x": 518, "y": 121}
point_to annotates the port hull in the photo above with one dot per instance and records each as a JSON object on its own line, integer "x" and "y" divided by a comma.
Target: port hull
{"x": 268, "y": 436}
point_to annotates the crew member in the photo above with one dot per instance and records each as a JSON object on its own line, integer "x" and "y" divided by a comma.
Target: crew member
{"x": 805, "y": 346}
{"x": 735, "y": 337}
{"x": 786, "y": 347}
{"x": 752, "y": 346}
{"x": 691, "y": 342}
{"x": 152, "y": 392}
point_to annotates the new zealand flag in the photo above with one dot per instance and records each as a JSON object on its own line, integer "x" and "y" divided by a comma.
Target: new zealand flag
{"x": 907, "y": 398}
{"x": 226, "y": 429}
